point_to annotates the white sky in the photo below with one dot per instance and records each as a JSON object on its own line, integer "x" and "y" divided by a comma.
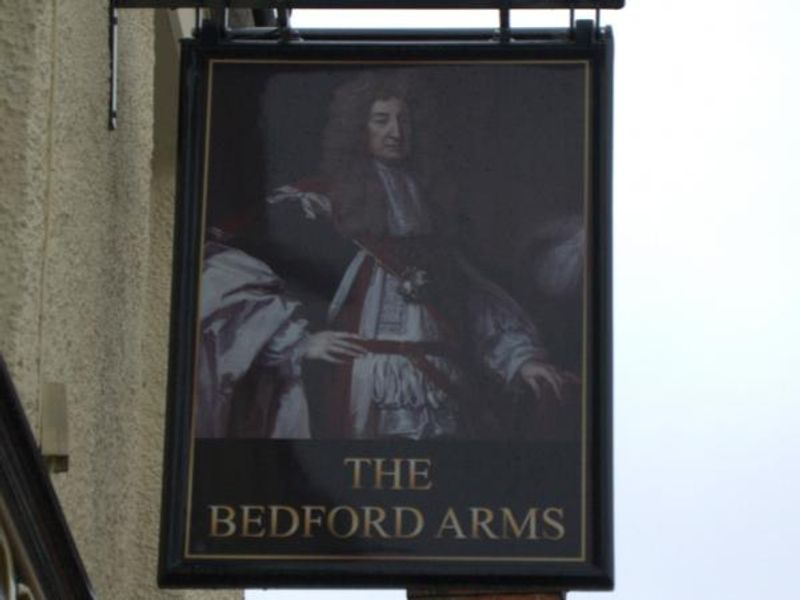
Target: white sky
{"x": 707, "y": 294}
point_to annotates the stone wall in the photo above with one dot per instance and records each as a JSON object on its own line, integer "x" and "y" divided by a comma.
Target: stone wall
{"x": 85, "y": 260}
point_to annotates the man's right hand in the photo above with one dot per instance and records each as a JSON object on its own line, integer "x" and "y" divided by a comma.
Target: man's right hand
{"x": 335, "y": 347}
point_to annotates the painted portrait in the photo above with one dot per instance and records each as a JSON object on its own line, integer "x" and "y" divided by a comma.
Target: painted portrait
{"x": 391, "y": 315}
{"x": 399, "y": 255}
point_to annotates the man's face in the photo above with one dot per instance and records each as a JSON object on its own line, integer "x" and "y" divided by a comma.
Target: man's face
{"x": 389, "y": 130}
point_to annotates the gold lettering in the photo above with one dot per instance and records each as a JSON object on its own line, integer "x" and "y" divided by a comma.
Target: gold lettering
{"x": 310, "y": 519}
{"x": 481, "y": 519}
{"x": 394, "y": 474}
{"x": 399, "y": 511}
{"x": 353, "y": 521}
{"x": 419, "y": 469}
{"x": 356, "y": 464}
{"x": 510, "y": 522}
{"x": 389, "y": 473}
{"x": 450, "y": 521}
{"x": 554, "y": 522}
{"x": 227, "y": 520}
{"x": 294, "y": 519}
{"x": 249, "y": 520}
{"x": 373, "y": 517}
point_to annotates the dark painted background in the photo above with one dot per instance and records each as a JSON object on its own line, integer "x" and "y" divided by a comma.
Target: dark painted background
{"x": 511, "y": 137}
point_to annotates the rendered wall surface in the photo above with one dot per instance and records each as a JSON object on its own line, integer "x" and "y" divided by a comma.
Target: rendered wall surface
{"x": 85, "y": 260}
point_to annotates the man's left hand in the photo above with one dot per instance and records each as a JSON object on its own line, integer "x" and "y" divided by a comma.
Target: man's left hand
{"x": 543, "y": 379}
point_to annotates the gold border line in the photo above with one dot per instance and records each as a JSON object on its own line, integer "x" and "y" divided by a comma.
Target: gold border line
{"x": 488, "y": 61}
{"x": 584, "y": 392}
{"x": 587, "y": 185}
{"x": 200, "y": 260}
{"x": 392, "y": 557}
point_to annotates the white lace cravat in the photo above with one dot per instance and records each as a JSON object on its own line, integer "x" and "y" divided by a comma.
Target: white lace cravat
{"x": 407, "y": 214}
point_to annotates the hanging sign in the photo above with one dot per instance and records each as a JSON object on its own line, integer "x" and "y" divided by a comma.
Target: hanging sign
{"x": 391, "y": 343}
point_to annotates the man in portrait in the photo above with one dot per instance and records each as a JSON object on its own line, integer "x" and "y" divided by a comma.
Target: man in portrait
{"x": 360, "y": 318}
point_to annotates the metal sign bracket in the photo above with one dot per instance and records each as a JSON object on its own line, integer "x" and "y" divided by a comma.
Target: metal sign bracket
{"x": 272, "y": 19}
{"x": 113, "y": 45}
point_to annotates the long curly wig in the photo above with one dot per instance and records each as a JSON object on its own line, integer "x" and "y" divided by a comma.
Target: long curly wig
{"x": 358, "y": 198}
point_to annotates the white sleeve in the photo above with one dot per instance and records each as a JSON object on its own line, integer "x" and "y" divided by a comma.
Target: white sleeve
{"x": 245, "y": 317}
{"x": 504, "y": 336}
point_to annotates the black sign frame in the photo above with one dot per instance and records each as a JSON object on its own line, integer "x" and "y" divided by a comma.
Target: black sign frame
{"x": 180, "y": 564}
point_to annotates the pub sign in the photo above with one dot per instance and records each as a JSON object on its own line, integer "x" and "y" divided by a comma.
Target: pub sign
{"x": 391, "y": 350}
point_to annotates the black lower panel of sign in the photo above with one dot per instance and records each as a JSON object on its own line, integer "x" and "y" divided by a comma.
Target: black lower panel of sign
{"x": 377, "y": 499}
